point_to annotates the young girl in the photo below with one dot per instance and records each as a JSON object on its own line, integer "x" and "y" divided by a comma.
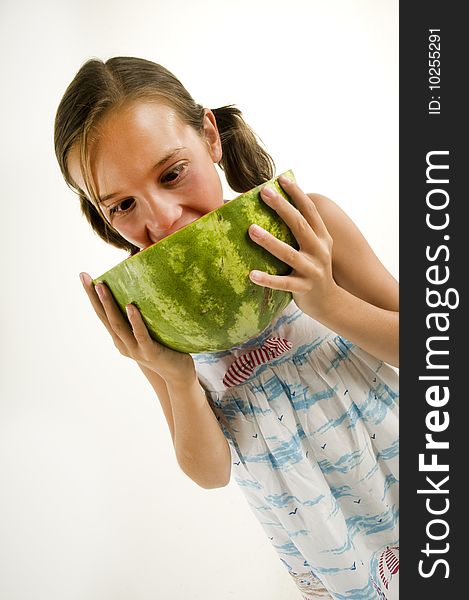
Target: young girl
{"x": 310, "y": 432}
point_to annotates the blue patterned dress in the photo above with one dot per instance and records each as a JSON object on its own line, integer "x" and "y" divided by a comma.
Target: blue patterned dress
{"x": 312, "y": 423}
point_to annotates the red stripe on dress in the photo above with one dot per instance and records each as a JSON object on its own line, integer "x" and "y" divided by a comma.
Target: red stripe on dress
{"x": 229, "y": 380}
{"x": 242, "y": 368}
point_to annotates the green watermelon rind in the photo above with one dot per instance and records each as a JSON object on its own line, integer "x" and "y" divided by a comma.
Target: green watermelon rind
{"x": 192, "y": 288}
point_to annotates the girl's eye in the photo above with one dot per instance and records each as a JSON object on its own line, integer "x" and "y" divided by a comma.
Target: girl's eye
{"x": 173, "y": 174}
{"x": 121, "y": 207}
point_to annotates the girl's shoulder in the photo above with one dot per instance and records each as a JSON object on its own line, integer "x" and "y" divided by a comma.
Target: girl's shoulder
{"x": 329, "y": 210}
{"x": 356, "y": 267}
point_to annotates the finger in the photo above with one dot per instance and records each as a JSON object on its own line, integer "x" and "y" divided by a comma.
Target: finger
{"x": 285, "y": 283}
{"x": 116, "y": 319}
{"x": 305, "y": 205}
{"x": 139, "y": 329}
{"x": 301, "y": 216}
{"x": 299, "y": 226}
{"x": 103, "y": 308}
{"x": 277, "y": 248}
{"x": 94, "y": 299}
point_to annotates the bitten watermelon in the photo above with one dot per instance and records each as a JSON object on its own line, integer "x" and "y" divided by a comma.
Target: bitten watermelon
{"x": 192, "y": 288}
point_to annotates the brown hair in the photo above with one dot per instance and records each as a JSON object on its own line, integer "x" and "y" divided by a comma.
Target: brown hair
{"x": 100, "y": 87}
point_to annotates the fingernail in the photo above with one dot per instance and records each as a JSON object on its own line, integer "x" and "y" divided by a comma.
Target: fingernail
{"x": 82, "y": 278}
{"x": 129, "y": 309}
{"x": 268, "y": 192}
{"x": 256, "y": 230}
{"x": 283, "y": 179}
{"x": 99, "y": 290}
{"x": 255, "y": 275}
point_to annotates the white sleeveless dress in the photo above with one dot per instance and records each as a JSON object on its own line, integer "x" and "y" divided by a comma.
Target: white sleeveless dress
{"x": 312, "y": 423}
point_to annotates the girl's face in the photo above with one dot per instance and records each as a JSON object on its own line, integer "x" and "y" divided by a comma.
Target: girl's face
{"x": 153, "y": 173}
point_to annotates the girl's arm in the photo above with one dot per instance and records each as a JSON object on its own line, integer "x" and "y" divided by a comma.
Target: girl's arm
{"x": 364, "y": 306}
{"x": 200, "y": 446}
{"x": 336, "y": 278}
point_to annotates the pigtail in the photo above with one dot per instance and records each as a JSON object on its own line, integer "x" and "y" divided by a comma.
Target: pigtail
{"x": 245, "y": 163}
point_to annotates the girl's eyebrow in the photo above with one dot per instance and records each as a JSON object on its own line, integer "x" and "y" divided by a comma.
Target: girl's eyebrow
{"x": 168, "y": 156}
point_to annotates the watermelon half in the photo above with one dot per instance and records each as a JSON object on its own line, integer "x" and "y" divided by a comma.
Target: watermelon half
{"x": 193, "y": 288}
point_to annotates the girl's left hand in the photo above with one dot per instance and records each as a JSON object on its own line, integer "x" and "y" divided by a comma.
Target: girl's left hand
{"x": 311, "y": 281}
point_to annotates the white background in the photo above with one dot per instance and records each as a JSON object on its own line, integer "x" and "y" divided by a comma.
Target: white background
{"x": 92, "y": 503}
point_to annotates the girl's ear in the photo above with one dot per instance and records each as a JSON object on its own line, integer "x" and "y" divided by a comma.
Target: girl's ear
{"x": 212, "y": 137}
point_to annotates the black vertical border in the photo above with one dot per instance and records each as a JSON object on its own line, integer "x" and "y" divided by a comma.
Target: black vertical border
{"x": 420, "y": 133}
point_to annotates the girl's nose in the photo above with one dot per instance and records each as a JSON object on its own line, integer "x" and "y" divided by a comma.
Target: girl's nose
{"x": 162, "y": 214}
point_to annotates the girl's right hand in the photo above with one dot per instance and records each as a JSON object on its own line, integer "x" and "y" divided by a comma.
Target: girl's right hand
{"x": 135, "y": 341}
